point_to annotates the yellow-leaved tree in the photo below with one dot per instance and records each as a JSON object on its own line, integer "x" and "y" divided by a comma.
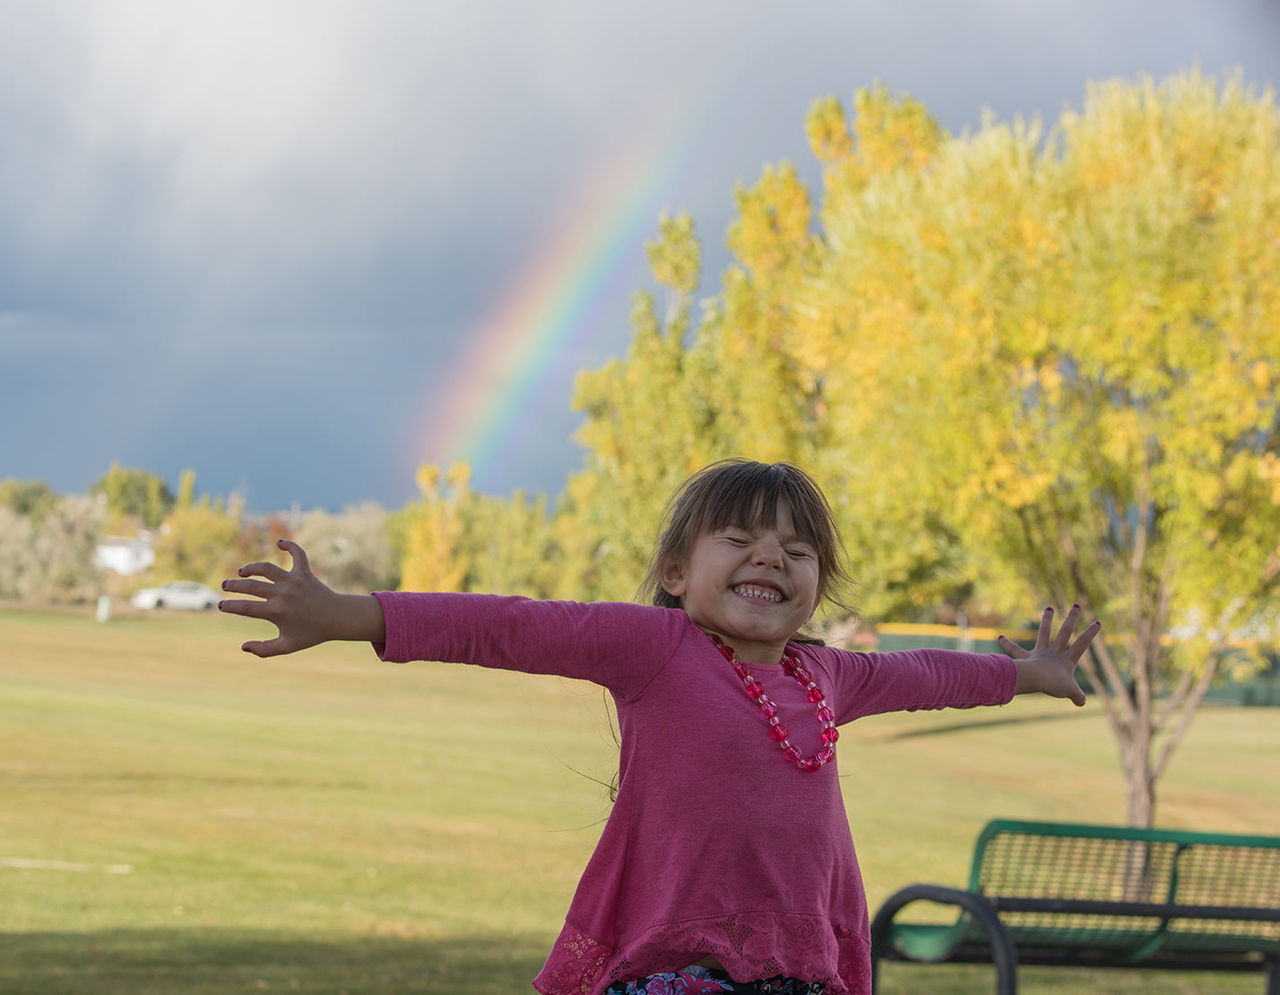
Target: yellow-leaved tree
{"x": 433, "y": 555}
{"x": 454, "y": 539}
{"x": 197, "y": 542}
{"x": 1065, "y": 351}
{"x": 1029, "y": 368}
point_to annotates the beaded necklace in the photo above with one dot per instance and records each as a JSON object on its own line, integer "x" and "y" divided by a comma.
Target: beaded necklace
{"x": 769, "y": 711}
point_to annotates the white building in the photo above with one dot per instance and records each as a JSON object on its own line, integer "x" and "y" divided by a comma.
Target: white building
{"x": 124, "y": 554}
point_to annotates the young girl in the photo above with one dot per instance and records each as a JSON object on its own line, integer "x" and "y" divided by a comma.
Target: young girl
{"x": 726, "y": 864}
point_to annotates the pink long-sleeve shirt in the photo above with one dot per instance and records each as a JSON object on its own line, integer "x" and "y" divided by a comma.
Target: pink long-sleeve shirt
{"x": 717, "y": 844}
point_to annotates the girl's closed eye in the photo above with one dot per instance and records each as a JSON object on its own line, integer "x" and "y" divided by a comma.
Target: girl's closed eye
{"x": 743, "y": 539}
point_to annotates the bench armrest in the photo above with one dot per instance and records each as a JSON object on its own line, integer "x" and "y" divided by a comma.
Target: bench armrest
{"x": 1003, "y": 953}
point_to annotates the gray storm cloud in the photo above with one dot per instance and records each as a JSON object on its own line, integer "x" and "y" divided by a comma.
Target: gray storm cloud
{"x": 311, "y": 205}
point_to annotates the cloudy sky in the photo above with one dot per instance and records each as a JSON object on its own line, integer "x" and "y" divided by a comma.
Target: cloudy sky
{"x": 303, "y": 246}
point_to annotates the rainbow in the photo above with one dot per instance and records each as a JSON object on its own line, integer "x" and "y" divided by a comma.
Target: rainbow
{"x": 554, "y": 303}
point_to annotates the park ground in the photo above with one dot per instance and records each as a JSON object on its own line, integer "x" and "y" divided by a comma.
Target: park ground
{"x": 180, "y": 817}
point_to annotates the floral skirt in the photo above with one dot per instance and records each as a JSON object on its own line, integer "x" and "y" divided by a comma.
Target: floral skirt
{"x": 697, "y": 980}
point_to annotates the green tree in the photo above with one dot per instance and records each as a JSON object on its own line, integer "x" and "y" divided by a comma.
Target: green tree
{"x": 197, "y": 543}
{"x": 510, "y": 546}
{"x": 186, "y": 489}
{"x": 137, "y": 494}
{"x": 29, "y": 498}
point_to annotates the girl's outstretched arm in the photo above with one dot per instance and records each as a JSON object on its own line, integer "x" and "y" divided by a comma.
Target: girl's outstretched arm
{"x": 1050, "y": 666}
{"x": 303, "y": 609}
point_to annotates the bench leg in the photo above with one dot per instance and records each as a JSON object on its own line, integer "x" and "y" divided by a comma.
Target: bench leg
{"x": 1273, "y": 974}
{"x": 1003, "y": 953}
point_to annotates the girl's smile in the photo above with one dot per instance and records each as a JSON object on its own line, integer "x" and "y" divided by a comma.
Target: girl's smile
{"x": 759, "y": 591}
{"x": 753, "y": 587}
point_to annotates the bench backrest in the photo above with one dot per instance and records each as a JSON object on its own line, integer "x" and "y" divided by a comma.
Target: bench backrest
{"x": 1143, "y": 867}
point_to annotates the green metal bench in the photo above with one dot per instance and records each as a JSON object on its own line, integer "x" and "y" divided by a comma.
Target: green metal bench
{"x": 1100, "y": 896}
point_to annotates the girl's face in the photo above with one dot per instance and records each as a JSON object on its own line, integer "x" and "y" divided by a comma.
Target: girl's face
{"x": 754, "y": 588}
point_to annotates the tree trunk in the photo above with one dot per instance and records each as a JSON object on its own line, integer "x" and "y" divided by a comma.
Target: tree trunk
{"x": 1129, "y": 711}
{"x": 1140, "y": 790}
{"x": 1140, "y": 782}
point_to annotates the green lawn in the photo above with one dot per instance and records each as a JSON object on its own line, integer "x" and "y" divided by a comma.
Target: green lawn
{"x": 327, "y": 823}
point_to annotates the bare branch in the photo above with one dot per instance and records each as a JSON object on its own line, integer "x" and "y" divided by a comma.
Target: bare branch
{"x": 1117, "y": 692}
{"x": 1159, "y": 626}
{"x": 1139, "y": 540}
{"x": 1107, "y": 694}
{"x": 1188, "y": 711}
{"x": 1175, "y": 700}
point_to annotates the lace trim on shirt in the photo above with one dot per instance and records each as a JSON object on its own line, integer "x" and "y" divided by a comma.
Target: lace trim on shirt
{"x": 750, "y": 945}
{"x": 576, "y": 966}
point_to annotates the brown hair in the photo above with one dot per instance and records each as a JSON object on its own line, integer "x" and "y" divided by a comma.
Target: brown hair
{"x": 746, "y": 494}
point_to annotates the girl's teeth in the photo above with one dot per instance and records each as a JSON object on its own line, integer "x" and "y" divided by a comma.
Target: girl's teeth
{"x": 755, "y": 592}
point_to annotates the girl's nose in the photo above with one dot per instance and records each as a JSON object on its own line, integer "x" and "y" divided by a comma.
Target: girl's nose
{"x": 768, "y": 554}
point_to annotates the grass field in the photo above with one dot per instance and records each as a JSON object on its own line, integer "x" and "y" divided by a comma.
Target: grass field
{"x": 179, "y": 817}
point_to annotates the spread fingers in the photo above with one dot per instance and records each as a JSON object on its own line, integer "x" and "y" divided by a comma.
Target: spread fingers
{"x": 257, "y": 588}
{"x": 297, "y": 554}
{"x": 253, "y": 609}
{"x": 1068, "y": 627}
{"x": 1084, "y": 639}
{"x": 272, "y": 571}
{"x": 1045, "y": 635}
{"x": 1010, "y": 647}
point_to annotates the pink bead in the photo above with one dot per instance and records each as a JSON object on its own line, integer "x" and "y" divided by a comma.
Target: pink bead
{"x": 769, "y": 711}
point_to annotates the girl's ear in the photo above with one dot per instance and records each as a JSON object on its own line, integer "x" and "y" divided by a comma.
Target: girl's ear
{"x": 672, "y": 577}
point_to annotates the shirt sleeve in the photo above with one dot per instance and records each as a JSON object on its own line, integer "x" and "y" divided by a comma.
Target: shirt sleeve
{"x": 908, "y": 680}
{"x": 619, "y": 646}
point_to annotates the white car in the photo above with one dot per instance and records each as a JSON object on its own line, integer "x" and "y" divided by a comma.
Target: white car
{"x": 177, "y": 594}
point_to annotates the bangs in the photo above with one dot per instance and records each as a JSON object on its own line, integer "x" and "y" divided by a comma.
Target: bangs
{"x": 752, "y": 504}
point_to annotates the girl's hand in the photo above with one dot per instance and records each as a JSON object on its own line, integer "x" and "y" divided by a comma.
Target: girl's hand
{"x": 303, "y": 609}
{"x": 1050, "y": 667}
